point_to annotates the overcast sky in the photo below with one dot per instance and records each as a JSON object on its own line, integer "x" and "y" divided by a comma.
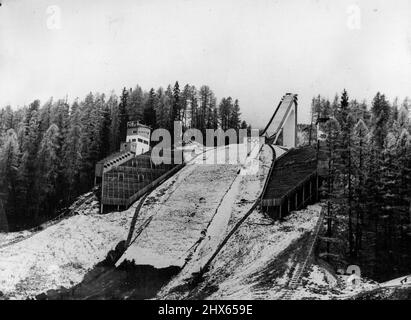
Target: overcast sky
{"x": 255, "y": 51}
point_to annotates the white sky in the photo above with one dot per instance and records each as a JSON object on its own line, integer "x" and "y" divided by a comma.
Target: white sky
{"x": 254, "y": 50}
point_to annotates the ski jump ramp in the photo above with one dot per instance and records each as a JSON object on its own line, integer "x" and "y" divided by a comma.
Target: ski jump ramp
{"x": 293, "y": 180}
{"x": 283, "y": 123}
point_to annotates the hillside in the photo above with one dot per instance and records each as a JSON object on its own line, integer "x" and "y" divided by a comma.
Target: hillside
{"x": 180, "y": 227}
{"x": 61, "y": 254}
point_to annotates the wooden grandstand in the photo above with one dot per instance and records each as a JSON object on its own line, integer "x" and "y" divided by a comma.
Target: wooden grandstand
{"x": 124, "y": 183}
{"x": 293, "y": 182}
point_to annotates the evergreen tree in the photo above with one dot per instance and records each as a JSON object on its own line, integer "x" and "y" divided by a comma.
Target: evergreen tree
{"x": 212, "y": 114}
{"x": 7, "y": 119}
{"x": 225, "y": 111}
{"x": 214, "y": 121}
{"x": 185, "y": 102}
{"x": 123, "y": 116}
{"x": 160, "y": 109}
{"x": 403, "y": 198}
{"x": 90, "y": 139}
{"x": 72, "y": 152}
{"x": 403, "y": 117}
{"x": 194, "y": 108}
{"x": 243, "y": 125}
{"x": 365, "y": 113}
{"x": 45, "y": 116}
{"x": 360, "y": 155}
{"x": 333, "y": 110}
{"x": 381, "y": 114}
{"x": 168, "y": 108}
{"x": 394, "y": 111}
{"x": 113, "y": 107}
{"x": 105, "y": 130}
{"x": 332, "y": 129}
{"x": 134, "y": 103}
{"x": 49, "y": 169}
{"x": 28, "y": 169}
{"x": 345, "y": 166}
{"x": 9, "y": 166}
{"x": 149, "y": 110}
{"x": 205, "y": 95}
{"x": 176, "y": 111}
{"x": 60, "y": 116}
{"x": 343, "y": 108}
{"x": 235, "y": 116}
{"x": 406, "y": 103}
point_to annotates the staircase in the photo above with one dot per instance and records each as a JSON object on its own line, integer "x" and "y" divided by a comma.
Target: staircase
{"x": 300, "y": 268}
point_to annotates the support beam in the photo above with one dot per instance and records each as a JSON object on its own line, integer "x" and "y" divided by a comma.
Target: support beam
{"x": 283, "y": 121}
{"x": 296, "y": 200}
{"x": 281, "y": 210}
{"x": 304, "y": 194}
{"x": 290, "y": 129}
{"x": 311, "y": 191}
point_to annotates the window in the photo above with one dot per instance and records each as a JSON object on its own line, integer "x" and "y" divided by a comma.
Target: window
{"x": 146, "y": 142}
{"x": 140, "y": 140}
{"x": 134, "y": 131}
{"x": 134, "y": 140}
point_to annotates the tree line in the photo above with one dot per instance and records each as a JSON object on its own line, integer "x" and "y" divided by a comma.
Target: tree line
{"x": 368, "y": 183}
{"x": 48, "y": 152}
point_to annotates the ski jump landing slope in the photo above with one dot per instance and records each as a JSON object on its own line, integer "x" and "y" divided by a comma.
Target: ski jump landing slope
{"x": 194, "y": 205}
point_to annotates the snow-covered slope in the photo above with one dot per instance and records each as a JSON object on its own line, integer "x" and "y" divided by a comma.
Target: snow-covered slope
{"x": 194, "y": 204}
{"x": 255, "y": 262}
{"x": 185, "y": 221}
{"x": 181, "y": 210}
{"x": 61, "y": 254}
{"x": 318, "y": 283}
{"x": 259, "y": 261}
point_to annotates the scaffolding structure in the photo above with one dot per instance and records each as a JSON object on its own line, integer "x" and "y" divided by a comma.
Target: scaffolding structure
{"x": 124, "y": 184}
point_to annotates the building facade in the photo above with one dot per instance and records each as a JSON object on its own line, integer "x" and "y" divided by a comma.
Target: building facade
{"x": 139, "y": 135}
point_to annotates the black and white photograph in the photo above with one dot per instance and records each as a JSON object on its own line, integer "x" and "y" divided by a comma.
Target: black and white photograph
{"x": 229, "y": 151}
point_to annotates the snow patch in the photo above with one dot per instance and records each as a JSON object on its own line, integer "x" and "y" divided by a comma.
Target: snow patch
{"x": 61, "y": 254}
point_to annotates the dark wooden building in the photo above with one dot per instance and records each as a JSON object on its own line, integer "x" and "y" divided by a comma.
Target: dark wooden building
{"x": 293, "y": 182}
